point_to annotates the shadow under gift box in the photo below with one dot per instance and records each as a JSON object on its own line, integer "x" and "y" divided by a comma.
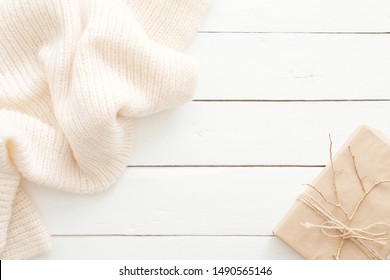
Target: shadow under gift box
{"x": 345, "y": 212}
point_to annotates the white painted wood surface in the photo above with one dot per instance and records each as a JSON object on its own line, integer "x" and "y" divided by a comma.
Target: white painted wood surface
{"x": 184, "y": 201}
{"x": 211, "y": 179}
{"x": 292, "y": 66}
{"x": 237, "y": 133}
{"x": 298, "y": 16}
{"x": 167, "y": 247}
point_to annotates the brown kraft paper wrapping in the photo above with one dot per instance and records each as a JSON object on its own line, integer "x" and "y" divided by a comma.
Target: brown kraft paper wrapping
{"x": 317, "y": 236}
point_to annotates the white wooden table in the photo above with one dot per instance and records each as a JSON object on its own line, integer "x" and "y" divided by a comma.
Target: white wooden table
{"x": 211, "y": 179}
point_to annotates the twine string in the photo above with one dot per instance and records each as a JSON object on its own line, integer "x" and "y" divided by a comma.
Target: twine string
{"x": 328, "y": 228}
{"x": 332, "y": 227}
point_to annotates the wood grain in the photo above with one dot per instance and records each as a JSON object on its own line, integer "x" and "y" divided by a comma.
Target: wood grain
{"x": 292, "y": 66}
{"x": 253, "y": 133}
{"x": 152, "y": 248}
{"x": 179, "y": 201}
{"x": 298, "y": 16}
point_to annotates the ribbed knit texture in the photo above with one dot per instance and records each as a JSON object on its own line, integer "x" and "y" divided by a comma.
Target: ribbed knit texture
{"x": 73, "y": 77}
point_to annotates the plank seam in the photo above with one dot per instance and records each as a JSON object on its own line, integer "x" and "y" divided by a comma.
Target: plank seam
{"x": 162, "y": 235}
{"x": 298, "y": 32}
{"x": 230, "y": 166}
{"x": 290, "y": 100}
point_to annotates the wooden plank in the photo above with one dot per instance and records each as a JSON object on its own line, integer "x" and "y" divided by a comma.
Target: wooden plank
{"x": 152, "y": 248}
{"x": 298, "y": 16}
{"x": 179, "y": 201}
{"x": 259, "y": 133}
{"x": 292, "y": 66}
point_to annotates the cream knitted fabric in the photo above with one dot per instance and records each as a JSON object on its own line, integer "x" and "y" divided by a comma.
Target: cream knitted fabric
{"x": 73, "y": 77}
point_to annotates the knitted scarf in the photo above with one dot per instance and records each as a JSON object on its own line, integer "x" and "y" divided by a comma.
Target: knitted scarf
{"x": 74, "y": 75}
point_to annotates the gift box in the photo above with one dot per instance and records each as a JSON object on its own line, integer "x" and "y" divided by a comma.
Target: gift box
{"x": 345, "y": 212}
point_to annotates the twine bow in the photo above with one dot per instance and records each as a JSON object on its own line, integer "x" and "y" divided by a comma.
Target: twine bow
{"x": 377, "y": 232}
{"x": 371, "y": 232}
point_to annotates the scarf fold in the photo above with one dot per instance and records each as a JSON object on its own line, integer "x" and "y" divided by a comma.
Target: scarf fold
{"x": 74, "y": 75}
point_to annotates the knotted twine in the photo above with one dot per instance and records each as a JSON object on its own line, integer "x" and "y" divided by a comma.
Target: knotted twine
{"x": 357, "y": 235}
